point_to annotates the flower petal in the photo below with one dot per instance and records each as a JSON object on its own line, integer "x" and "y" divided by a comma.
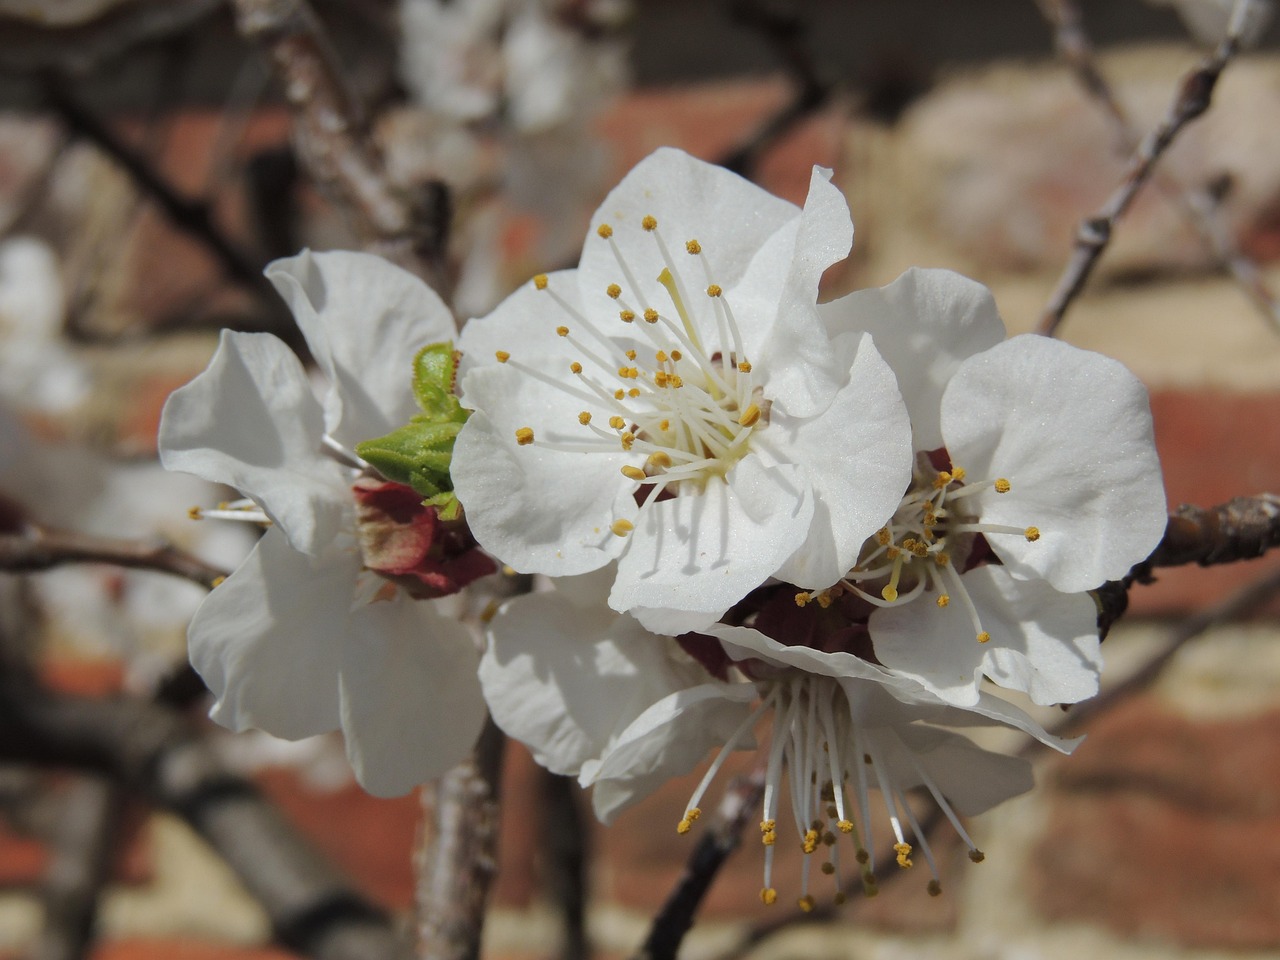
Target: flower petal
{"x": 972, "y": 779}
{"x": 268, "y": 640}
{"x": 364, "y": 319}
{"x": 411, "y": 701}
{"x": 250, "y": 421}
{"x": 924, "y": 324}
{"x": 1071, "y": 430}
{"x": 665, "y": 742}
{"x": 702, "y": 553}
{"x": 857, "y": 480}
{"x": 1043, "y": 642}
{"x": 566, "y": 680}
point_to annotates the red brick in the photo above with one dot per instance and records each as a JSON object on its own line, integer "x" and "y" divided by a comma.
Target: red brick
{"x": 1168, "y": 829}
{"x": 138, "y": 949}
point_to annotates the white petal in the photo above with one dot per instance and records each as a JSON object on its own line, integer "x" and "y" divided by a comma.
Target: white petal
{"x": 268, "y": 641}
{"x": 702, "y": 553}
{"x": 744, "y": 643}
{"x": 666, "y": 741}
{"x": 857, "y": 456}
{"x": 1043, "y": 642}
{"x": 796, "y": 359}
{"x": 567, "y": 680}
{"x": 364, "y": 319}
{"x": 971, "y": 778}
{"x": 1071, "y": 430}
{"x": 250, "y": 421}
{"x": 924, "y": 324}
{"x": 411, "y": 701}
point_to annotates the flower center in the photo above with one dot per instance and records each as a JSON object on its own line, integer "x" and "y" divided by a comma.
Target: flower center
{"x": 914, "y": 551}
{"x": 668, "y": 383}
{"x": 832, "y": 762}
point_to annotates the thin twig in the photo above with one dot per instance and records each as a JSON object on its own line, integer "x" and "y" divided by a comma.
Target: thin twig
{"x": 459, "y": 857}
{"x": 564, "y": 845}
{"x": 333, "y": 142}
{"x": 1200, "y": 205}
{"x": 714, "y": 847}
{"x": 1195, "y": 93}
{"x": 41, "y": 548}
{"x": 313, "y": 908}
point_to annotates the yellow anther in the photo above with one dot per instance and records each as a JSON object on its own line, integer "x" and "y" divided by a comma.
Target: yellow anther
{"x": 890, "y": 593}
{"x": 659, "y": 459}
{"x": 863, "y": 857}
{"x": 943, "y": 599}
{"x": 661, "y": 378}
{"x": 195, "y": 513}
{"x": 1032, "y": 534}
{"x": 1003, "y": 485}
{"x": 218, "y": 581}
{"x": 767, "y": 825}
{"x": 845, "y": 826}
{"x": 613, "y": 290}
{"x": 502, "y": 356}
{"x": 769, "y": 838}
{"x": 941, "y": 480}
{"x": 622, "y": 372}
{"x": 903, "y": 850}
{"x": 676, "y": 381}
{"x": 806, "y": 903}
{"x": 664, "y": 425}
{"x": 744, "y": 366}
{"x": 942, "y": 559}
{"x": 882, "y": 537}
{"x": 633, "y": 473}
{"x": 617, "y": 422}
{"x": 683, "y": 826}
{"x": 802, "y": 598}
{"x": 749, "y": 416}
{"x": 626, "y": 316}
{"x": 984, "y": 637}
{"x": 631, "y": 354}
{"x": 627, "y": 440}
{"x": 619, "y": 394}
{"x": 810, "y": 842}
{"x": 839, "y": 899}
{"x": 828, "y": 868}
{"x": 562, "y": 331}
{"x": 661, "y": 356}
{"x": 540, "y": 281}
{"x": 768, "y": 896}
{"x": 693, "y": 813}
{"x": 584, "y": 417}
{"x": 977, "y": 856}
{"x": 677, "y": 355}
{"x": 651, "y": 315}
{"x": 604, "y": 231}
{"x": 524, "y": 436}
{"x": 649, "y": 223}
{"x": 633, "y": 392}
{"x": 693, "y": 246}
{"x": 575, "y": 367}
{"x": 621, "y": 528}
{"x": 958, "y": 474}
{"x": 824, "y": 599}
{"x": 934, "y": 888}
{"x": 893, "y": 553}
{"x": 714, "y": 290}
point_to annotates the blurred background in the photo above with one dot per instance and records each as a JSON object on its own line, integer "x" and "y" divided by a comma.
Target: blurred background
{"x": 156, "y": 154}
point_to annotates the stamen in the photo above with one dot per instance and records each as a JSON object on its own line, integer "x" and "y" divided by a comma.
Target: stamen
{"x": 524, "y": 436}
{"x": 621, "y": 528}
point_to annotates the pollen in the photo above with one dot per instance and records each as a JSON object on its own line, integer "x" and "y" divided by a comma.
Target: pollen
{"x": 524, "y": 436}
{"x": 575, "y": 367}
{"x": 584, "y": 417}
{"x": 1032, "y": 534}
{"x": 540, "y": 281}
{"x": 502, "y": 356}
{"x": 195, "y": 513}
{"x": 693, "y": 246}
{"x": 903, "y": 850}
{"x": 943, "y": 599}
{"x": 977, "y": 856}
{"x": 626, "y": 316}
{"x": 744, "y": 366}
{"x": 649, "y": 223}
{"x": 1003, "y": 485}
{"x": 631, "y": 354}
{"x": 651, "y": 315}
{"x": 633, "y": 392}
{"x": 941, "y": 480}
{"x": 883, "y": 537}
{"x": 934, "y": 888}
{"x": 658, "y": 459}
{"x": 677, "y": 355}
{"x": 617, "y": 422}
{"x": 218, "y": 581}
{"x": 768, "y": 896}
{"x": 664, "y": 426}
{"x": 621, "y": 528}
{"x": 890, "y": 593}
{"x": 562, "y": 331}
{"x": 715, "y": 290}
{"x": 749, "y": 416}
{"x": 984, "y": 637}
{"x": 802, "y": 598}
{"x": 604, "y": 231}
{"x": 845, "y": 826}
{"x": 806, "y": 903}
{"x": 627, "y": 440}
{"x": 613, "y": 290}
{"x": 661, "y": 356}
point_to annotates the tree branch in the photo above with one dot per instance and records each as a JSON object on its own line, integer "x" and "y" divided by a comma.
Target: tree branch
{"x": 40, "y": 548}
{"x": 1194, "y": 95}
